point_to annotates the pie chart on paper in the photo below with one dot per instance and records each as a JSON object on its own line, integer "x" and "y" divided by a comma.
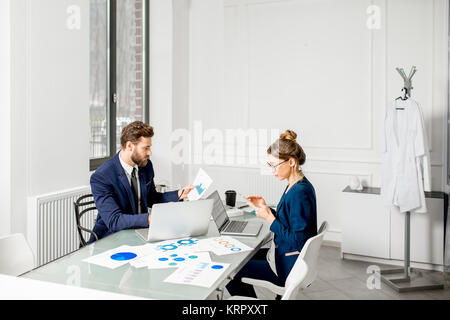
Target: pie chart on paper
{"x": 123, "y": 256}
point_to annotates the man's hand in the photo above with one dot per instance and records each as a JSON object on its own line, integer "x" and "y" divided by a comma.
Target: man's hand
{"x": 149, "y": 216}
{"x": 183, "y": 193}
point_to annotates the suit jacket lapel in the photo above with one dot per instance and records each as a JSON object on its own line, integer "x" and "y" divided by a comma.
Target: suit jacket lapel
{"x": 280, "y": 204}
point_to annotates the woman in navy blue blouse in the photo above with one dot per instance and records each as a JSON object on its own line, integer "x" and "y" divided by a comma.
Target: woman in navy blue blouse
{"x": 293, "y": 223}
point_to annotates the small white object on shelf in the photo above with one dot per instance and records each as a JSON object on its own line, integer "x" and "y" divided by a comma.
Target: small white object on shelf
{"x": 355, "y": 183}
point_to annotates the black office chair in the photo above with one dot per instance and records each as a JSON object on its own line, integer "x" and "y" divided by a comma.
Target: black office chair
{"x": 81, "y": 202}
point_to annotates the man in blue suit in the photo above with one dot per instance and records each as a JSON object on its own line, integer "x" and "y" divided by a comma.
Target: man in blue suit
{"x": 123, "y": 187}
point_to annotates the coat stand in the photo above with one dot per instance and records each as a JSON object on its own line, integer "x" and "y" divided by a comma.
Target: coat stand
{"x": 412, "y": 279}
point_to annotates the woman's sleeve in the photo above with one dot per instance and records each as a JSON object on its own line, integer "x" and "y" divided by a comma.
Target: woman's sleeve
{"x": 299, "y": 215}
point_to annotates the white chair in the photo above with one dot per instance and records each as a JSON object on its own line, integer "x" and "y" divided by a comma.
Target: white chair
{"x": 16, "y": 256}
{"x": 302, "y": 274}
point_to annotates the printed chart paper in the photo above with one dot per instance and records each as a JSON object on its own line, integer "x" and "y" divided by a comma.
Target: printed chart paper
{"x": 203, "y": 274}
{"x": 170, "y": 260}
{"x": 169, "y": 253}
{"x": 115, "y": 258}
{"x": 222, "y": 245}
{"x": 176, "y": 246}
{"x": 202, "y": 182}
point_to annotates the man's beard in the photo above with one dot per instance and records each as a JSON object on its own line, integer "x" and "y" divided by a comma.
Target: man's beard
{"x": 141, "y": 162}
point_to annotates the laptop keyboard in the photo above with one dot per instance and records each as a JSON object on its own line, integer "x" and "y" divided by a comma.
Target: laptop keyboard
{"x": 236, "y": 226}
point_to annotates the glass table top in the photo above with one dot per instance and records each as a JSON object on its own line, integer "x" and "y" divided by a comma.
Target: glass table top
{"x": 142, "y": 282}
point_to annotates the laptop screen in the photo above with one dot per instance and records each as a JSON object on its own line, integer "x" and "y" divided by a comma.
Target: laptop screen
{"x": 219, "y": 213}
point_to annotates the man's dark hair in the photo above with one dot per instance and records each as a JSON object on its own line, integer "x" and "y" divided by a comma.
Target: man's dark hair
{"x": 134, "y": 131}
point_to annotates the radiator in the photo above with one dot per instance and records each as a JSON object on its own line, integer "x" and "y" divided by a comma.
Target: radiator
{"x": 52, "y": 229}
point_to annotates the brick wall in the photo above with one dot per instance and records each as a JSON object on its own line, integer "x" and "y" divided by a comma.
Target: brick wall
{"x": 139, "y": 48}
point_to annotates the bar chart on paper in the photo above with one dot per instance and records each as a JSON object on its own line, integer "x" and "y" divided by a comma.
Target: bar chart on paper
{"x": 202, "y": 182}
{"x": 203, "y": 274}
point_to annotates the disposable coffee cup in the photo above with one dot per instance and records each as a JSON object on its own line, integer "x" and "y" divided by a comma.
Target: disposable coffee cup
{"x": 230, "y": 198}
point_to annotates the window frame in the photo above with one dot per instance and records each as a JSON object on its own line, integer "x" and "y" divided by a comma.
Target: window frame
{"x": 111, "y": 104}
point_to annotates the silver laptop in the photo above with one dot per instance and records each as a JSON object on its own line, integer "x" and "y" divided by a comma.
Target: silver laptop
{"x": 174, "y": 220}
{"x": 231, "y": 227}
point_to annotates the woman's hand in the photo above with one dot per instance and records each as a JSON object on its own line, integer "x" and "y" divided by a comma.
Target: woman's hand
{"x": 183, "y": 193}
{"x": 266, "y": 214}
{"x": 256, "y": 202}
{"x": 262, "y": 210}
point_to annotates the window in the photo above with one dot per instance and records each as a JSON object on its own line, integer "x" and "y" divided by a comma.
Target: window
{"x": 118, "y": 76}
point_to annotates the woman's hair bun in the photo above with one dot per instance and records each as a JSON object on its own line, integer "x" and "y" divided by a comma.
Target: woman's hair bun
{"x": 289, "y": 135}
{"x": 286, "y": 147}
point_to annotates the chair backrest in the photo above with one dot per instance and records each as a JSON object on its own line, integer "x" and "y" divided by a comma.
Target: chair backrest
{"x": 16, "y": 256}
{"x": 305, "y": 271}
{"x": 83, "y": 205}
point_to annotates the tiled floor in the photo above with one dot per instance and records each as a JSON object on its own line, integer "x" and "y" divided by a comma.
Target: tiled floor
{"x": 340, "y": 279}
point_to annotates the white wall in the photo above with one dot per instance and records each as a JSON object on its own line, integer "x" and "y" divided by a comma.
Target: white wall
{"x": 5, "y": 118}
{"x": 315, "y": 67}
{"x": 169, "y": 83}
{"x": 161, "y": 85}
{"x": 306, "y": 65}
{"x": 50, "y": 102}
{"x": 181, "y": 74}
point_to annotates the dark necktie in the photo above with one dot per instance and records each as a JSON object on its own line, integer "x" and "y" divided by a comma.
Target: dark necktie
{"x": 134, "y": 188}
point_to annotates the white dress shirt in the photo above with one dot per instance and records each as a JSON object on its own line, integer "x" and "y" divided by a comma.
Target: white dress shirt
{"x": 128, "y": 170}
